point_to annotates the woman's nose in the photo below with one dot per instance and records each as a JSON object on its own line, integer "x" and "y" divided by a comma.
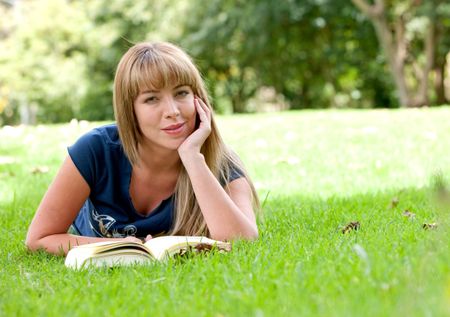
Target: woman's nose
{"x": 171, "y": 108}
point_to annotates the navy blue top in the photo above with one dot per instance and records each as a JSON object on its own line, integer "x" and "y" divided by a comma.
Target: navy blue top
{"x": 109, "y": 211}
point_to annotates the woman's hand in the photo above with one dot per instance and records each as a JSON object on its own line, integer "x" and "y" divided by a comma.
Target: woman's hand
{"x": 138, "y": 240}
{"x": 194, "y": 142}
{"x": 132, "y": 239}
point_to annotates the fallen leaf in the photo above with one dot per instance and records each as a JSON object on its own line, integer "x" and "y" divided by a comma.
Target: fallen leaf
{"x": 291, "y": 160}
{"x": 40, "y": 170}
{"x": 394, "y": 202}
{"x": 7, "y": 174}
{"x": 408, "y": 214}
{"x": 354, "y": 225}
{"x": 430, "y": 226}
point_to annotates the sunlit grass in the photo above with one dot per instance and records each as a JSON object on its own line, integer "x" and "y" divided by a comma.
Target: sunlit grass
{"x": 316, "y": 171}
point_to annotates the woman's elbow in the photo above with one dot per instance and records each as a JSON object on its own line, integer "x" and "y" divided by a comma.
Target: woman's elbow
{"x": 32, "y": 242}
{"x": 250, "y": 235}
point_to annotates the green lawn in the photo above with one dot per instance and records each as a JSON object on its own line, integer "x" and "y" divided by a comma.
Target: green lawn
{"x": 316, "y": 171}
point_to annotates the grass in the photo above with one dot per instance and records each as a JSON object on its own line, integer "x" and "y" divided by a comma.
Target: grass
{"x": 316, "y": 171}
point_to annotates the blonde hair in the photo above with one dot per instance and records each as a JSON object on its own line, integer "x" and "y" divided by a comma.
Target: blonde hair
{"x": 158, "y": 65}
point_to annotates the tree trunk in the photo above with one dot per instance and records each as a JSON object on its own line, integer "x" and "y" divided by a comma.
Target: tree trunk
{"x": 421, "y": 99}
{"x": 237, "y": 104}
{"x": 395, "y": 47}
{"x": 394, "y": 50}
{"x": 439, "y": 87}
{"x": 395, "y": 55}
{"x": 439, "y": 65}
{"x": 27, "y": 113}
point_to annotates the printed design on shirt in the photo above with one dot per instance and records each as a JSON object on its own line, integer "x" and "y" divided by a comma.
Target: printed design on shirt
{"x": 130, "y": 230}
{"x": 105, "y": 222}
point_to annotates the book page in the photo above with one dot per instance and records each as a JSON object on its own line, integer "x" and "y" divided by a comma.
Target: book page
{"x": 162, "y": 247}
{"x": 109, "y": 250}
{"x": 119, "y": 252}
{"x": 109, "y": 259}
{"x": 100, "y": 247}
{"x": 120, "y": 259}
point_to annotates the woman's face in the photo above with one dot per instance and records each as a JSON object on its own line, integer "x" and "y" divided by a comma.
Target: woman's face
{"x": 166, "y": 117}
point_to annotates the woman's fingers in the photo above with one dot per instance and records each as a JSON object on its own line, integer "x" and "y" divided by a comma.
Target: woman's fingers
{"x": 133, "y": 239}
{"x": 194, "y": 142}
{"x": 203, "y": 111}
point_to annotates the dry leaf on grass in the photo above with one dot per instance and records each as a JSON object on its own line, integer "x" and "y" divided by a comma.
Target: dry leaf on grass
{"x": 394, "y": 202}
{"x": 408, "y": 214}
{"x": 354, "y": 225}
{"x": 40, "y": 170}
{"x": 7, "y": 174}
{"x": 430, "y": 226}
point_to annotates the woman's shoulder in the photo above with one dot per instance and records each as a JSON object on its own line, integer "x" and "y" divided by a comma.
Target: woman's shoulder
{"x": 97, "y": 142}
{"x": 108, "y": 134}
{"x": 100, "y": 147}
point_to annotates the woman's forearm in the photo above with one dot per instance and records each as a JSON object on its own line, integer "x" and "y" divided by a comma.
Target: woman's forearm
{"x": 225, "y": 220}
{"x": 60, "y": 244}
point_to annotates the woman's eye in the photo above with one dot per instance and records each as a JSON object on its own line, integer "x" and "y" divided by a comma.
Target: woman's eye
{"x": 182, "y": 93}
{"x": 150, "y": 99}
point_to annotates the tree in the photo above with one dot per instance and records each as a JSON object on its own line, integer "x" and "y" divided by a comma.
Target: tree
{"x": 313, "y": 52}
{"x": 114, "y": 27}
{"x": 41, "y": 61}
{"x": 214, "y": 36}
{"x": 57, "y": 58}
{"x": 408, "y": 32}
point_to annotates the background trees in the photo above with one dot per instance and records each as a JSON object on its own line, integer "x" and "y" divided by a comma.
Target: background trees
{"x": 42, "y": 60}
{"x": 315, "y": 53}
{"x": 57, "y": 58}
{"x": 411, "y": 36}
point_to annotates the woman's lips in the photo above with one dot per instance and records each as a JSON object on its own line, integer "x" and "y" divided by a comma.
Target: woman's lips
{"x": 174, "y": 128}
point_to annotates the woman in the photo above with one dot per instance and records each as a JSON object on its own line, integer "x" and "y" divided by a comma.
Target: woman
{"x": 161, "y": 169}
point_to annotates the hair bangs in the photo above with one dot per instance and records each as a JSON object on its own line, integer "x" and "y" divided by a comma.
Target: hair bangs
{"x": 157, "y": 71}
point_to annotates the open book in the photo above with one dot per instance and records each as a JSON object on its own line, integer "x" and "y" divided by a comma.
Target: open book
{"x": 113, "y": 253}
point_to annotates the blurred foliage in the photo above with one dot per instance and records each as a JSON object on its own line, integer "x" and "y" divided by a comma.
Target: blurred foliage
{"x": 42, "y": 60}
{"x": 57, "y": 58}
{"x": 315, "y": 53}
